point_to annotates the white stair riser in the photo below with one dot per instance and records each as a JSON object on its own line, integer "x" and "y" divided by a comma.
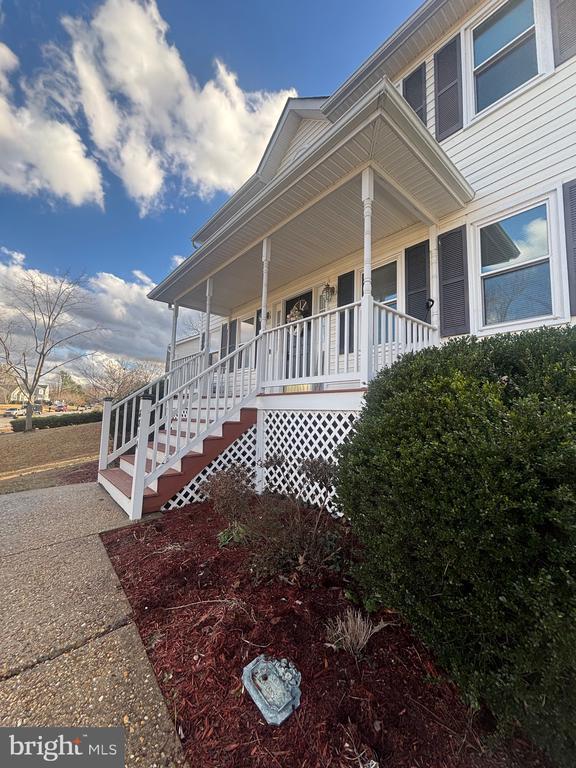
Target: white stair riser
{"x": 213, "y": 412}
{"x": 115, "y": 493}
{"x": 128, "y": 466}
{"x": 217, "y": 431}
{"x": 198, "y": 448}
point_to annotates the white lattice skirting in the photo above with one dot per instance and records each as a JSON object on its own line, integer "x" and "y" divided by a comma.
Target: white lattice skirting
{"x": 241, "y": 451}
{"x": 299, "y": 435}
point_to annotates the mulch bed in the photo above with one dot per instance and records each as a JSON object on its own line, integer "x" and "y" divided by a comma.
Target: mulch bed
{"x": 202, "y": 619}
{"x": 83, "y": 473}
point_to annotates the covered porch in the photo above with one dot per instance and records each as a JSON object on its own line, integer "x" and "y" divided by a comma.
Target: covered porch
{"x": 331, "y": 271}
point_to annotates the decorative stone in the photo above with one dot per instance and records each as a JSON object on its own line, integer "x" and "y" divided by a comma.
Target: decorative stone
{"x": 273, "y": 685}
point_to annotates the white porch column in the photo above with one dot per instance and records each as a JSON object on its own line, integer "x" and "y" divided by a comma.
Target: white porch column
{"x": 366, "y": 335}
{"x": 266, "y": 253}
{"x": 434, "y": 318}
{"x": 174, "y": 330}
{"x": 207, "y": 320}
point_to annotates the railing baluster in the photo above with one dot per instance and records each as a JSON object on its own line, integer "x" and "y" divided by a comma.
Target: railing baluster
{"x": 347, "y": 338}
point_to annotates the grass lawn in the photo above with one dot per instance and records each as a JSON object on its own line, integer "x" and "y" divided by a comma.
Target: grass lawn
{"x": 47, "y": 456}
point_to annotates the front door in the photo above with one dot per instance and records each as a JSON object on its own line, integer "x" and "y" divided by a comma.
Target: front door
{"x": 298, "y": 352}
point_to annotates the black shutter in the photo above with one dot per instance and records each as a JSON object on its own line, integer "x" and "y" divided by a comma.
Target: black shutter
{"x": 417, "y": 263}
{"x": 563, "y": 29}
{"x": 448, "y": 89}
{"x": 453, "y": 273}
{"x": 570, "y": 223}
{"x": 346, "y": 296}
{"x": 414, "y": 91}
{"x": 224, "y": 340}
{"x": 232, "y": 336}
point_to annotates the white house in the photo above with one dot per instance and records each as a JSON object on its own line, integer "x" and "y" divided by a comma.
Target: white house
{"x": 41, "y": 395}
{"x": 432, "y": 194}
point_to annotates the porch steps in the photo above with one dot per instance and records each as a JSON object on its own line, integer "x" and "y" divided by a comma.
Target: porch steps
{"x": 118, "y": 481}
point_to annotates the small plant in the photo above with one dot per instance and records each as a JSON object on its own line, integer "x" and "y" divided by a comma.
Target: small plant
{"x": 352, "y": 632}
{"x": 230, "y": 491}
{"x": 321, "y": 472}
{"x": 289, "y": 539}
{"x": 233, "y": 534}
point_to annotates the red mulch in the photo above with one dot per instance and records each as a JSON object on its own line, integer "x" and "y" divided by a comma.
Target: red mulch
{"x": 201, "y": 620}
{"x": 83, "y": 473}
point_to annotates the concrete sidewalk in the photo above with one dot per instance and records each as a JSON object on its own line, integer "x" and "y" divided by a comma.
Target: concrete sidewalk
{"x": 69, "y": 652}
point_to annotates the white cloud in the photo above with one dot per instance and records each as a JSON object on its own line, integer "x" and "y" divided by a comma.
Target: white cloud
{"x": 131, "y": 325}
{"x": 39, "y": 154}
{"x": 149, "y": 121}
{"x": 535, "y": 242}
{"x": 176, "y": 260}
{"x": 16, "y": 257}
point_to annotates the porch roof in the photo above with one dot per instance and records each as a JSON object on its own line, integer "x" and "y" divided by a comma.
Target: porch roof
{"x": 312, "y": 210}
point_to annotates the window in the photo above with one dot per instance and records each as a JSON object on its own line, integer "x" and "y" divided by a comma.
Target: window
{"x": 515, "y": 267}
{"x": 504, "y": 48}
{"x": 246, "y": 334}
{"x": 384, "y": 287}
{"x": 384, "y": 290}
{"x": 414, "y": 91}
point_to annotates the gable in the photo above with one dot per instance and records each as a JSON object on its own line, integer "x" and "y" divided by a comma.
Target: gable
{"x": 308, "y": 131}
{"x": 299, "y": 118}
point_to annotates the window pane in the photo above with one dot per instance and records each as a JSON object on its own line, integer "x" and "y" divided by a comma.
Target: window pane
{"x": 384, "y": 283}
{"x": 519, "y": 238}
{"x": 246, "y": 330}
{"x": 501, "y": 28}
{"x": 518, "y": 294}
{"x": 507, "y": 73}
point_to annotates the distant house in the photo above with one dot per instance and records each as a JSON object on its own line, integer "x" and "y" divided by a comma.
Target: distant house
{"x": 432, "y": 195}
{"x": 41, "y": 395}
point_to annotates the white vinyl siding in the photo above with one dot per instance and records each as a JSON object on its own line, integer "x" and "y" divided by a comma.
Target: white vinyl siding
{"x": 308, "y": 131}
{"x": 528, "y": 141}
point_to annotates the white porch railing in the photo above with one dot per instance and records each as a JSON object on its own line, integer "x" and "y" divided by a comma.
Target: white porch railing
{"x": 395, "y": 333}
{"x": 185, "y": 368}
{"x": 320, "y": 348}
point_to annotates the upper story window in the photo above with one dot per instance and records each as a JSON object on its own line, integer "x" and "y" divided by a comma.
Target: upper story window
{"x": 504, "y": 49}
{"x": 515, "y": 267}
{"x": 414, "y": 91}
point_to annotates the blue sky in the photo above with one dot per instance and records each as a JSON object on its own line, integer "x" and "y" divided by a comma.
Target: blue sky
{"x": 151, "y": 134}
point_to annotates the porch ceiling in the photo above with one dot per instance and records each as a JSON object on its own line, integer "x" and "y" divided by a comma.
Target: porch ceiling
{"x": 325, "y": 232}
{"x": 313, "y": 210}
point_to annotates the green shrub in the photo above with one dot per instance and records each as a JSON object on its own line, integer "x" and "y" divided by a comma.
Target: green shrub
{"x": 57, "y": 420}
{"x": 234, "y": 534}
{"x": 460, "y": 482}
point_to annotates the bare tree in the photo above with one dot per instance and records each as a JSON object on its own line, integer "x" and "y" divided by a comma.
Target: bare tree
{"x": 37, "y": 331}
{"x": 7, "y": 384}
{"x": 117, "y": 378}
{"x": 192, "y": 324}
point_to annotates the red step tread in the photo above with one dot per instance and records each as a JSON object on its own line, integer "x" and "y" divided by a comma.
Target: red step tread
{"x": 123, "y": 481}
